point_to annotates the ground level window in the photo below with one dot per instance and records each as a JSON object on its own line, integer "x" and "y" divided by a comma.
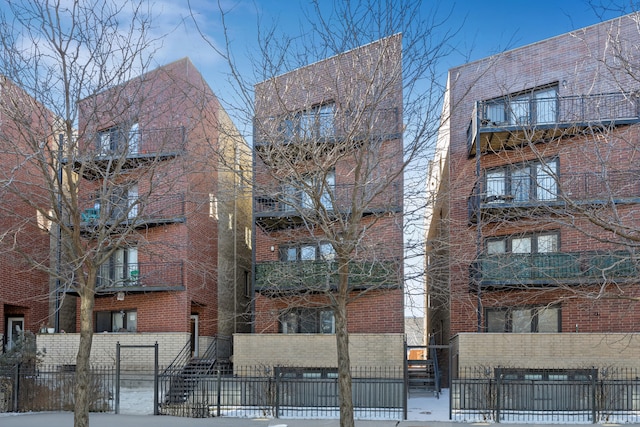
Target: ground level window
{"x": 523, "y": 319}
{"x": 307, "y": 321}
{"x": 117, "y": 321}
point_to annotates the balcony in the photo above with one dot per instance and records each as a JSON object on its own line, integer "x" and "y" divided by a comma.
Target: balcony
{"x": 136, "y": 213}
{"x": 494, "y": 199}
{"x": 555, "y": 268}
{"x": 506, "y": 123}
{"x": 140, "y": 277}
{"x": 298, "y": 276}
{"x": 129, "y": 150}
{"x": 282, "y": 207}
{"x": 327, "y": 126}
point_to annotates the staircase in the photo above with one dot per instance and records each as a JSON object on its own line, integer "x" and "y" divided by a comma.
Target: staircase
{"x": 184, "y": 377}
{"x": 422, "y": 372}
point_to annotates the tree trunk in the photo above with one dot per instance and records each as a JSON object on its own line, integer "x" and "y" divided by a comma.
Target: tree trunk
{"x": 342, "y": 345}
{"x": 83, "y": 362}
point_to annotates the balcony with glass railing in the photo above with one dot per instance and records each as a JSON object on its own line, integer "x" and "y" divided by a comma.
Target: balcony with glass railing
{"x": 140, "y": 277}
{"x": 553, "y": 268}
{"x": 322, "y": 275}
{"x": 504, "y": 123}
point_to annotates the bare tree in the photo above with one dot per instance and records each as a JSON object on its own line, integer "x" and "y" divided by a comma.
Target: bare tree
{"x": 549, "y": 218}
{"x": 333, "y": 143}
{"x": 68, "y": 70}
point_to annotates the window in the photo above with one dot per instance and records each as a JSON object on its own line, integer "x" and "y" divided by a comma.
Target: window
{"x": 316, "y": 122}
{"x": 308, "y": 252}
{"x": 118, "y": 139}
{"x": 117, "y": 321}
{"x": 121, "y": 203}
{"x": 523, "y": 319}
{"x": 544, "y": 242}
{"x": 307, "y": 321}
{"x": 121, "y": 269}
{"x": 525, "y": 182}
{"x": 537, "y": 106}
{"x": 300, "y": 195}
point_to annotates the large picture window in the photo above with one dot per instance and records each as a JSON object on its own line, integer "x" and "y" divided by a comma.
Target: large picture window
{"x": 307, "y": 321}
{"x": 521, "y": 183}
{"x": 543, "y": 242}
{"x": 322, "y": 251}
{"x": 117, "y": 321}
{"x": 523, "y": 319}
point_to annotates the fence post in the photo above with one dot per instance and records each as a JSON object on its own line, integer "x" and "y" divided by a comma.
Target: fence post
{"x": 498, "y": 390}
{"x": 276, "y": 373}
{"x": 156, "y": 373}
{"x": 219, "y": 392}
{"x": 117, "y": 408}
{"x": 593, "y": 396}
{"x": 16, "y": 386}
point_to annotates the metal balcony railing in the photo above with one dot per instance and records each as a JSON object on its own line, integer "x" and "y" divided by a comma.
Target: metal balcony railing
{"x": 288, "y": 201}
{"x": 593, "y": 187}
{"x": 136, "y": 210}
{"x": 282, "y": 276}
{"x": 326, "y": 126}
{"x": 505, "y": 114}
{"x": 510, "y": 269}
{"x": 142, "y": 143}
{"x": 159, "y": 276}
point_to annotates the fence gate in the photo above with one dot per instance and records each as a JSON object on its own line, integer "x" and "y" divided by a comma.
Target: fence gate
{"x": 119, "y": 372}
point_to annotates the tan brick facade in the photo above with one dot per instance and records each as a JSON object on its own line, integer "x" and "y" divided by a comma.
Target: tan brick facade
{"x": 315, "y": 350}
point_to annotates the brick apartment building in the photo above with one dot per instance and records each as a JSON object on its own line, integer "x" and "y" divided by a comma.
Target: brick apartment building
{"x": 315, "y": 128}
{"x": 534, "y": 218}
{"x": 161, "y": 171}
{"x": 24, "y": 289}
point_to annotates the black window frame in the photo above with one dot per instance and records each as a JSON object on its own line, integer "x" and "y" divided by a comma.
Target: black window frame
{"x": 508, "y": 239}
{"x": 534, "y": 315}
{"x": 306, "y": 316}
{"x": 102, "y": 317}
{"x": 534, "y": 189}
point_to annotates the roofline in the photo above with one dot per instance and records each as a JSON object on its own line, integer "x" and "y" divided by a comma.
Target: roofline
{"x": 583, "y": 29}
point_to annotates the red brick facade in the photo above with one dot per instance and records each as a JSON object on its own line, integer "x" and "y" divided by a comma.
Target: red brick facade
{"x": 339, "y": 85}
{"x": 24, "y": 289}
{"x": 180, "y": 151}
{"x": 582, "y": 66}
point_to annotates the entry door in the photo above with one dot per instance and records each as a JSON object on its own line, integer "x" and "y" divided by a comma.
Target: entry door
{"x": 15, "y": 327}
{"x": 194, "y": 335}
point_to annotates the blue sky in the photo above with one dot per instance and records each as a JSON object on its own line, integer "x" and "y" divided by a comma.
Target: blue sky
{"x": 485, "y": 27}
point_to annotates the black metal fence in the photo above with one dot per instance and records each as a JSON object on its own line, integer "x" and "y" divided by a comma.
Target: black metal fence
{"x": 51, "y": 388}
{"x": 378, "y": 393}
{"x": 546, "y": 395}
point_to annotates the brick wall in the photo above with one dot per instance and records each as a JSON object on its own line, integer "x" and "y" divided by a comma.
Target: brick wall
{"x": 577, "y": 350}
{"x": 316, "y": 350}
{"x": 61, "y": 349}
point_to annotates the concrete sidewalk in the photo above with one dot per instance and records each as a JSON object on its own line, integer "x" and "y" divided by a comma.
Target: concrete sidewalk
{"x": 57, "y": 419}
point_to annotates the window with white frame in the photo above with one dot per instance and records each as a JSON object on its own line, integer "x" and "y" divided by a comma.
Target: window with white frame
{"x": 542, "y": 318}
{"x": 522, "y": 182}
{"x": 121, "y": 269}
{"x": 307, "y": 321}
{"x": 536, "y": 106}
